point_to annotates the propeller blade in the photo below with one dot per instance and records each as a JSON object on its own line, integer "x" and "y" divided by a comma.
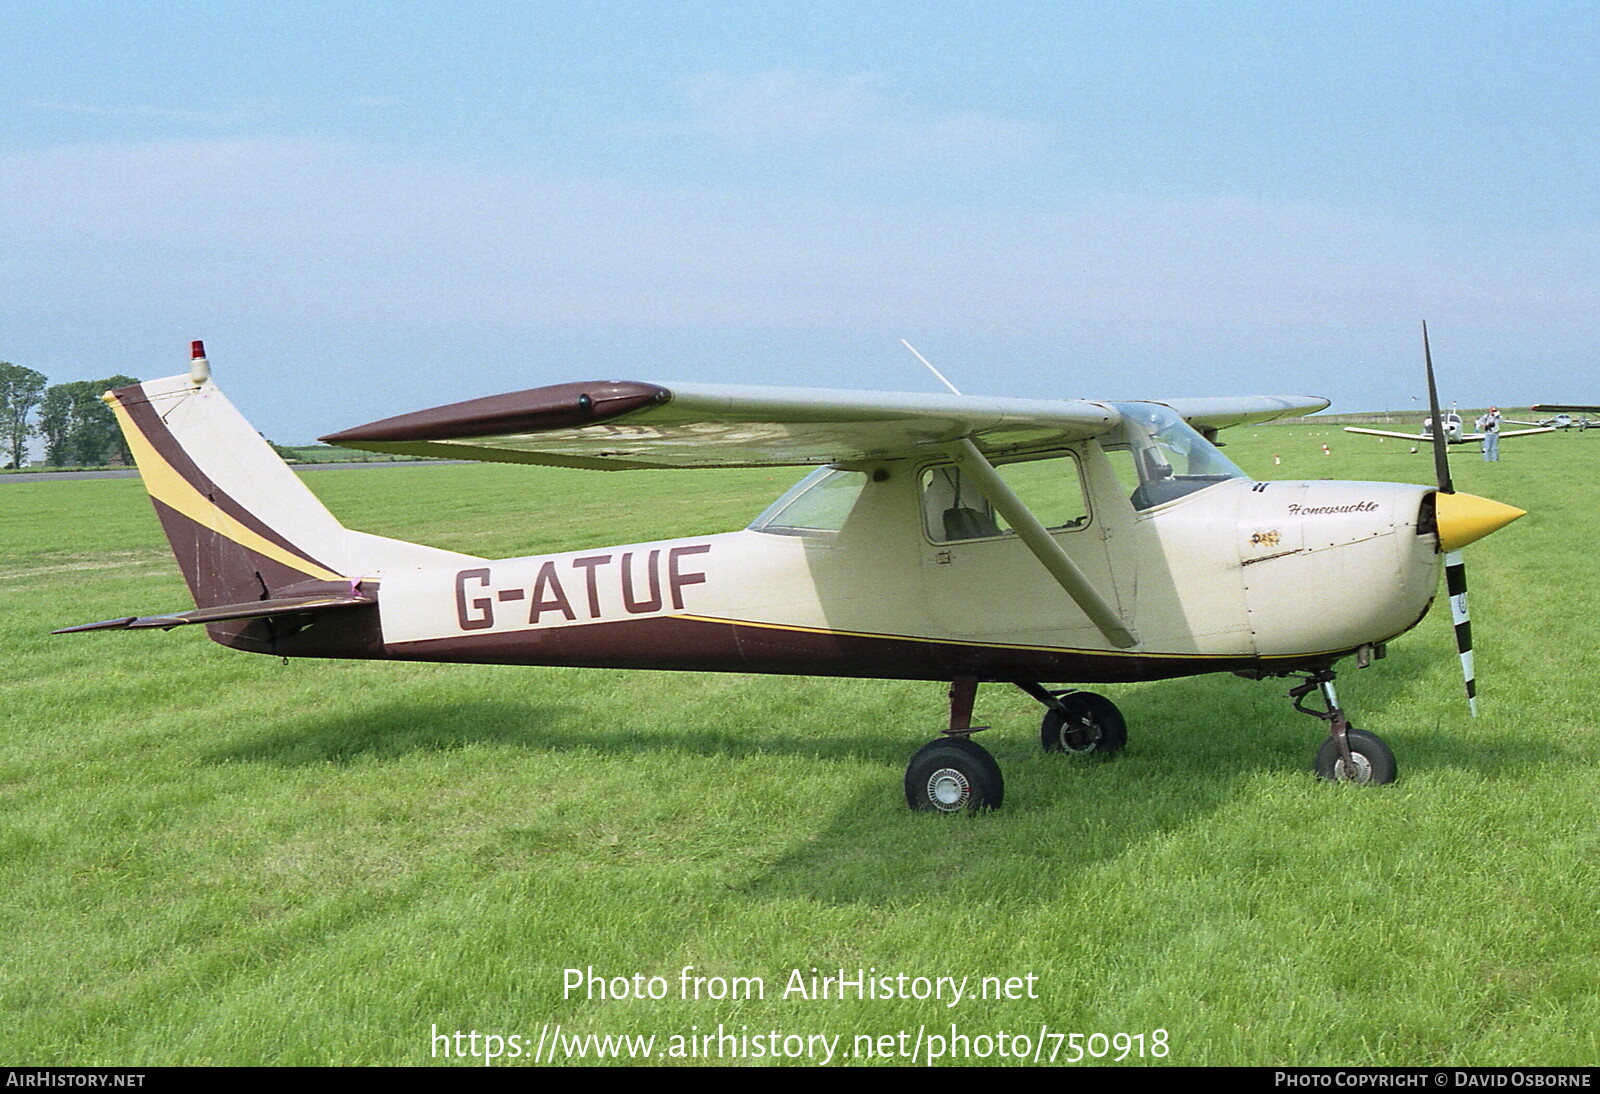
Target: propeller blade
{"x": 1455, "y": 566}
{"x": 1455, "y": 583}
{"x": 1441, "y": 443}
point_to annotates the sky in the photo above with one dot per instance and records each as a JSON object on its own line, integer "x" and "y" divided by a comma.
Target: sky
{"x": 371, "y": 208}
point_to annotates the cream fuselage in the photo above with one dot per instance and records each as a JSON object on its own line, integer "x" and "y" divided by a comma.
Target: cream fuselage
{"x": 1238, "y": 576}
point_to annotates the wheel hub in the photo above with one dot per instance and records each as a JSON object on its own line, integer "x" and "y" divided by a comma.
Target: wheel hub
{"x": 1358, "y": 770}
{"x": 1080, "y": 735}
{"x": 948, "y": 789}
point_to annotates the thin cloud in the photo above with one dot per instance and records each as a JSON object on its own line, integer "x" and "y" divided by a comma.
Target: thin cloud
{"x": 310, "y": 227}
{"x": 139, "y": 112}
{"x": 848, "y": 120}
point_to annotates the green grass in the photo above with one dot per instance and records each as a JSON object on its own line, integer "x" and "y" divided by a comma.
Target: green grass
{"x": 210, "y": 857}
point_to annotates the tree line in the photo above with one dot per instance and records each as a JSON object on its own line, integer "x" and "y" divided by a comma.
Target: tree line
{"x": 78, "y": 428}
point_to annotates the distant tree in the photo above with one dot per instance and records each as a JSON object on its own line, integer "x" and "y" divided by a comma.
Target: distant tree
{"x": 79, "y": 429}
{"x": 20, "y": 391}
{"x": 285, "y": 453}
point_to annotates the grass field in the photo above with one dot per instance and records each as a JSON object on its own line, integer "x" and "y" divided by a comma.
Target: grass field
{"x": 212, "y": 857}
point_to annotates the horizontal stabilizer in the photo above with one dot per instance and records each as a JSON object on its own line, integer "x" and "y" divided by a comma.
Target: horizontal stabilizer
{"x": 255, "y": 609}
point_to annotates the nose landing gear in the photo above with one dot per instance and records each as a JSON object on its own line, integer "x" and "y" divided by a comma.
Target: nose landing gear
{"x": 1349, "y": 755}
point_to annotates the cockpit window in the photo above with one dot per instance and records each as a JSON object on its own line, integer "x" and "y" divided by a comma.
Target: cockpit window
{"x": 817, "y": 504}
{"x": 1161, "y": 457}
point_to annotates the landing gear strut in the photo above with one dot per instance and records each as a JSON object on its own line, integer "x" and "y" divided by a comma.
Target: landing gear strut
{"x": 1349, "y": 754}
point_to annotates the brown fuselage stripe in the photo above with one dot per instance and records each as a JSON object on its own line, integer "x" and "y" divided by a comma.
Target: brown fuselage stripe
{"x": 149, "y": 423}
{"x": 217, "y": 569}
{"x": 703, "y": 646}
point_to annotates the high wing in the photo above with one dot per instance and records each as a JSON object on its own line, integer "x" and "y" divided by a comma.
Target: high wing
{"x": 1565, "y": 408}
{"x": 1424, "y": 436}
{"x": 620, "y": 425}
{"x": 1211, "y": 414}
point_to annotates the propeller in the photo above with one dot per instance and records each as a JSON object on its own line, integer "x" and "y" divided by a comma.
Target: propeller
{"x": 1462, "y": 518}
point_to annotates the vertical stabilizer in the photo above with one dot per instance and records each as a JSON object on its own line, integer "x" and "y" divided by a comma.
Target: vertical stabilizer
{"x": 241, "y": 523}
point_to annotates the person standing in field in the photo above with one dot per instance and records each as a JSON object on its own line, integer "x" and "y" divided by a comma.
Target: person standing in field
{"x": 1489, "y": 426}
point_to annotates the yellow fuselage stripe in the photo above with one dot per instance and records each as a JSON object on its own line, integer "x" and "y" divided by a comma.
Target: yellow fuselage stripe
{"x": 953, "y": 641}
{"x": 171, "y": 489}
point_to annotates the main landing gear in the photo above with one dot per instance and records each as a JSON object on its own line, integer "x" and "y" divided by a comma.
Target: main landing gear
{"x": 1349, "y": 755}
{"x": 954, "y": 774}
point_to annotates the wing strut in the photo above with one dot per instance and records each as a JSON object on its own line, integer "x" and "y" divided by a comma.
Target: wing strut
{"x": 1044, "y": 547}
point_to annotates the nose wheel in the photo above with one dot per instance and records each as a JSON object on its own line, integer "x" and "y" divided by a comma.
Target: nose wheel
{"x": 1371, "y": 763}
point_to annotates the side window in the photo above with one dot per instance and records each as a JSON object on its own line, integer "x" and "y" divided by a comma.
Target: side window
{"x": 818, "y": 503}
{"x": 1123, "y": 466}
{"x": 953, "y": 508}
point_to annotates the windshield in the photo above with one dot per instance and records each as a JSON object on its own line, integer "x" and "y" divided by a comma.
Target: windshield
{"x": 820, "y": 502}
{"x": 1161, "y": 458}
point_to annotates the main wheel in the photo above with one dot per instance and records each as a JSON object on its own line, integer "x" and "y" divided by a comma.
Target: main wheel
{"x": 1371, "y": 761}
{"x": 1091, "y": 723}
{"x": 953, "y": 775}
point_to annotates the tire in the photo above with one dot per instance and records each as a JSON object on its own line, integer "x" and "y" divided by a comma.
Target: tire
{"x": 953, "y": 775}
{"x": 1091, "y": 724}
{"x": 1373, "y": 761}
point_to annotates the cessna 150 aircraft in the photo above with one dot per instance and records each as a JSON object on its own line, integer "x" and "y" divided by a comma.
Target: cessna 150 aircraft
{"x": 942, "y": 537}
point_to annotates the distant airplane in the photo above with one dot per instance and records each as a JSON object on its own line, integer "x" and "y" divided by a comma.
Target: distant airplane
{"x": 1563, "y": 416}
{"x": 1454, "y": 431}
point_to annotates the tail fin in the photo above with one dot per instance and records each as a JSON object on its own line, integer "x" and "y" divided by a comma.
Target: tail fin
{"x": 241, "y": 523}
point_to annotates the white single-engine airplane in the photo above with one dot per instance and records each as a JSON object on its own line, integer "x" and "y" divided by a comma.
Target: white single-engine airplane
{"x": 1563, "y": 416}
{"x": 1454, "y": 431}
{"x": 942, "y": 537}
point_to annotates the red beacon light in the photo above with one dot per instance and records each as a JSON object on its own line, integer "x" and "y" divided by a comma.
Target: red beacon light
{"x": 199, "y": 367}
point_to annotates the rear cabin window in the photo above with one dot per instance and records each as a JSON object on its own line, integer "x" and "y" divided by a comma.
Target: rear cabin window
{"x": 953, "y": 508}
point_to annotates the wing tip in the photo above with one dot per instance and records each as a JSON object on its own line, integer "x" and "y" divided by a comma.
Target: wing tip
{"x": 535, "y": 410}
